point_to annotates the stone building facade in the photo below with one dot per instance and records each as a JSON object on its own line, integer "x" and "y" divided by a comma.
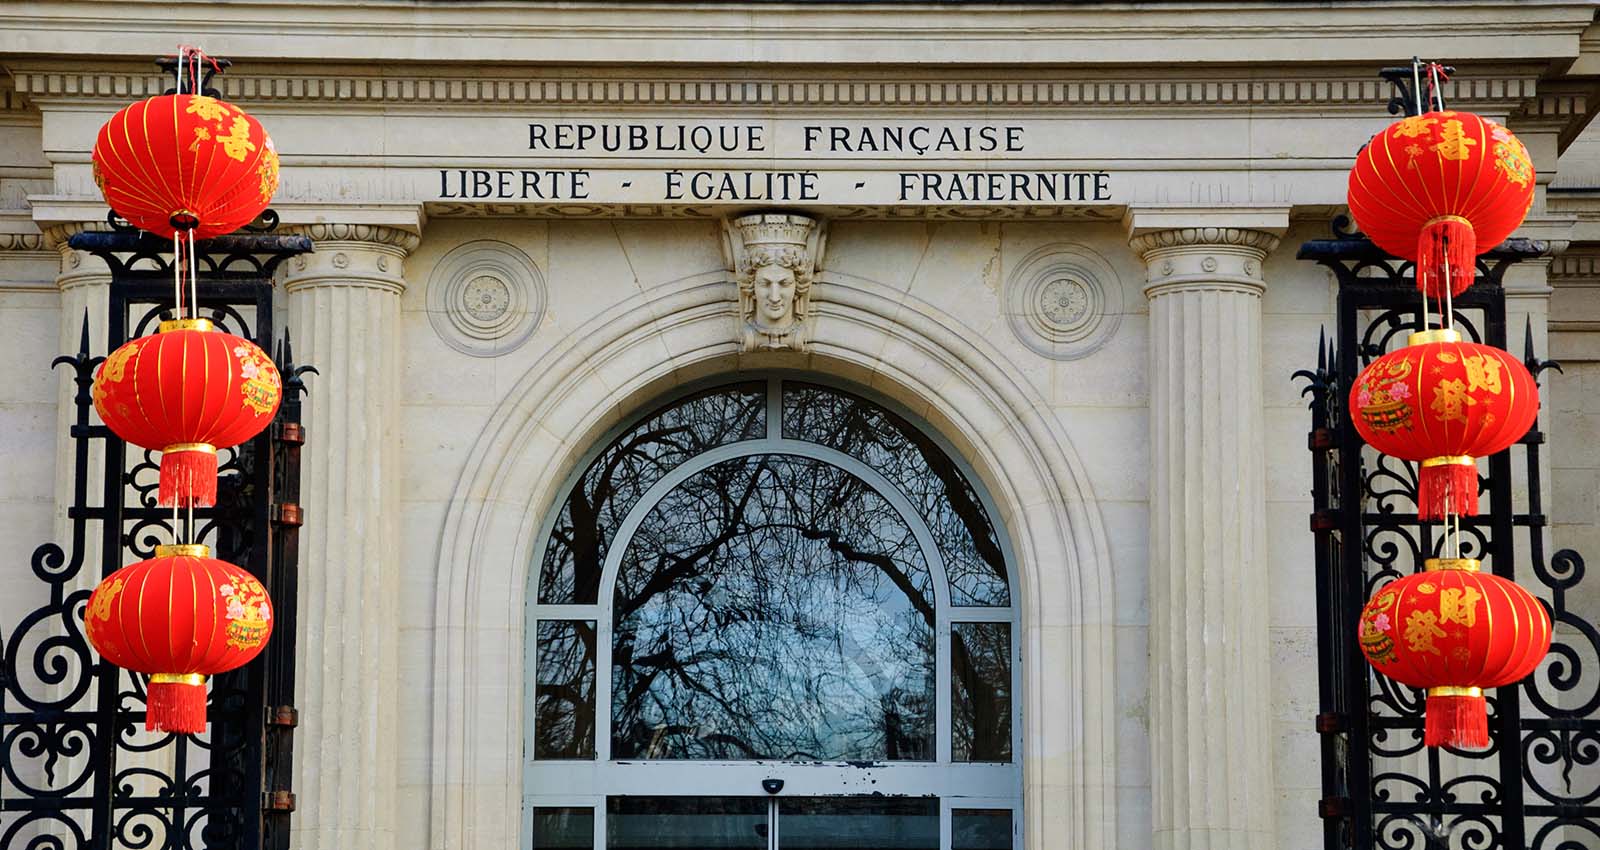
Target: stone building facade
{"x": 1057, "y": 238}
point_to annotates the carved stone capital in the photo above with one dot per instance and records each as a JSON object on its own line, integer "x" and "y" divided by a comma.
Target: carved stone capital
{"x": 364, "y": 255}
{"x": 376, "y": 234}
{"x": 77, "y": 267}
{"x": 1145, "y": 243}
{"x": 774, "y": 258}
{"x": 1204, "y": 258}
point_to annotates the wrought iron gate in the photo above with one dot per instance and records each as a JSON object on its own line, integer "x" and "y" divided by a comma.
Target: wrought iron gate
{"x": 77, "y": 769}
{"x": 1537, "y": 786}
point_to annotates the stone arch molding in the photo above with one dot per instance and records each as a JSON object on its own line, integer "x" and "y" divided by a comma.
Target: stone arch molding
{"x": 866, "y": 332}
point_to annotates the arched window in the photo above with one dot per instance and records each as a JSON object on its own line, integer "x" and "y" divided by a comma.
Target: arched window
{"x": 773, "y": 613}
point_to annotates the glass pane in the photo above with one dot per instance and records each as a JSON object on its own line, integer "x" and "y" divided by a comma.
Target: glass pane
{"x": 692, "y": 823}
{"x": 980, "y": 829}
{"x": 920, "y": 469}
{"x": 858, "y": 823}
{"x": 980, "y": 691}
{"x": 773, "y": 607}
{"x": 564, "y": 692}
{"x": 613, "y": 483}
{"x": 563, "y": 827}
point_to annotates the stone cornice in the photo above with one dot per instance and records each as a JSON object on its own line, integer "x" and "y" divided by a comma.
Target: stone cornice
{"x": 1014, "y": 34}
{"x": 353, "y": 88}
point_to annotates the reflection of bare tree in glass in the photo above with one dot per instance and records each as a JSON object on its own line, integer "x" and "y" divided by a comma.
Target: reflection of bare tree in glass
{"x": 919, "y": 468}
{"x": 615, "y": 481}
{"x": 773, "y": 607}
{"x": 564, "y": 693}
{"x": 980, "y": 692}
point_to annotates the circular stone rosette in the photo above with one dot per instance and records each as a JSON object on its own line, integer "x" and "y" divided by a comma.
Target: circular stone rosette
{"x": 485, "y": 298}
{"x": 1063, "y": 301}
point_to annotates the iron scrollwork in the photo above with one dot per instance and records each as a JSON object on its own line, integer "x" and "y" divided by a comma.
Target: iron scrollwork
{"x": 77, "y": 769}
{"x": 1536, "y": 786}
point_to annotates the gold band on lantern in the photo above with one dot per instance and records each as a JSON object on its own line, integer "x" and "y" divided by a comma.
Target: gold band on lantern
{"x": 1450, "y": 460}
{"x": 189, "y": 447}
{"x": 1434, "y": 335}
{"x": 183, "y": 550}
{"x": 1454, "y": 691}
{"x": 177, "y": 679}
{"x": 1466, "y": 565}
{"x": 1444, "y": 218}
{"x": 187, "y": 325}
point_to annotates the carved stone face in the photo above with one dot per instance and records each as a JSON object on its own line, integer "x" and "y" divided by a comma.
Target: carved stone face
{"x": 774, "y": 288}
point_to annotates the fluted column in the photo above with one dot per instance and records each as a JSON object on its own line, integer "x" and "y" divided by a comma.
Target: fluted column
{"x": 84, "y": 282}
{"x": 344, "y": 313}
{"x": 1210, "y": 693}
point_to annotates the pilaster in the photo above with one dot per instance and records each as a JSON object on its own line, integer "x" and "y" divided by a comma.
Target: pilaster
{"x": 344, "y": 312}
{"x": 1210, "y": 688}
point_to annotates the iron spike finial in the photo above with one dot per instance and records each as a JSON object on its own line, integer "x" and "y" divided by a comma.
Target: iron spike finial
{"x": 1322, "y": 344}
{"x": 83, "y": 337}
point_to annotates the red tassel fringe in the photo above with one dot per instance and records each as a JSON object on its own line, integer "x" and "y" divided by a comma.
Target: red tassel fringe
{"x": 1452, "y": 483}
{"x": 175, "y": 707}
{"x": 1447, "y": 239}
{"x": 188, "y": 477}
{"x": 1460, "y": 722}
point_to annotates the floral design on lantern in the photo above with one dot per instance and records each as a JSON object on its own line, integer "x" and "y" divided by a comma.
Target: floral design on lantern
{"x": 182, "y": 162}
{"x": 179, "y": 617}
{"x": 1454, "y": 630}
{"x": 1439, "y": 187}
{"x": 1443, "y": 402}
{"x": 187, "y": 391}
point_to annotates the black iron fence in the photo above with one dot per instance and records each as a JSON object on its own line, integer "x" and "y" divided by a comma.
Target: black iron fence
{"x": 77, "y": 769}
{"x": 1537, "y": 786}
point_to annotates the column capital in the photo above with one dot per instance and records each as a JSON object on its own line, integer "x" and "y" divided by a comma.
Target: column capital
{"x": 78, "y": 268}
{"x": 1209, "y": 248}
{"x": 376, "y": 237}
{"x": 351, "y": 255}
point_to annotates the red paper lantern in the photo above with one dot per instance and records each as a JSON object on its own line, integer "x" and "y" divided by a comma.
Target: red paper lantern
{"x": 187, "y": 391}
{"x": 181, "y": 162}
{"x": 1443, "y": 403}
{"x": 1435, "y": 187}
{"x": 1454, "y": 631}
{"x": 180, "y": 617}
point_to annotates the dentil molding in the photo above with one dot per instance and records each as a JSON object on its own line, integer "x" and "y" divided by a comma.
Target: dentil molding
{"x": 1313, "y": 87}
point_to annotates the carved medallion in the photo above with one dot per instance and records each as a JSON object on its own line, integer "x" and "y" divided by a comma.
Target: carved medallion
{"x": 1063, "y": 301}
{"x": 485, "y": 298}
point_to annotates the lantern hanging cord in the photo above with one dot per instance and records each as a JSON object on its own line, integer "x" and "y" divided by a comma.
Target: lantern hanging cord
{"x": 1416, "y": 82}
{"x": 177, "y": 275}
{"x": 194, "y": 280}
{"x": 1437, "y": 77}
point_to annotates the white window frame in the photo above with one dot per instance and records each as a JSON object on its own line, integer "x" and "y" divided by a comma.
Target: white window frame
{"x": 588, "y": 782}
